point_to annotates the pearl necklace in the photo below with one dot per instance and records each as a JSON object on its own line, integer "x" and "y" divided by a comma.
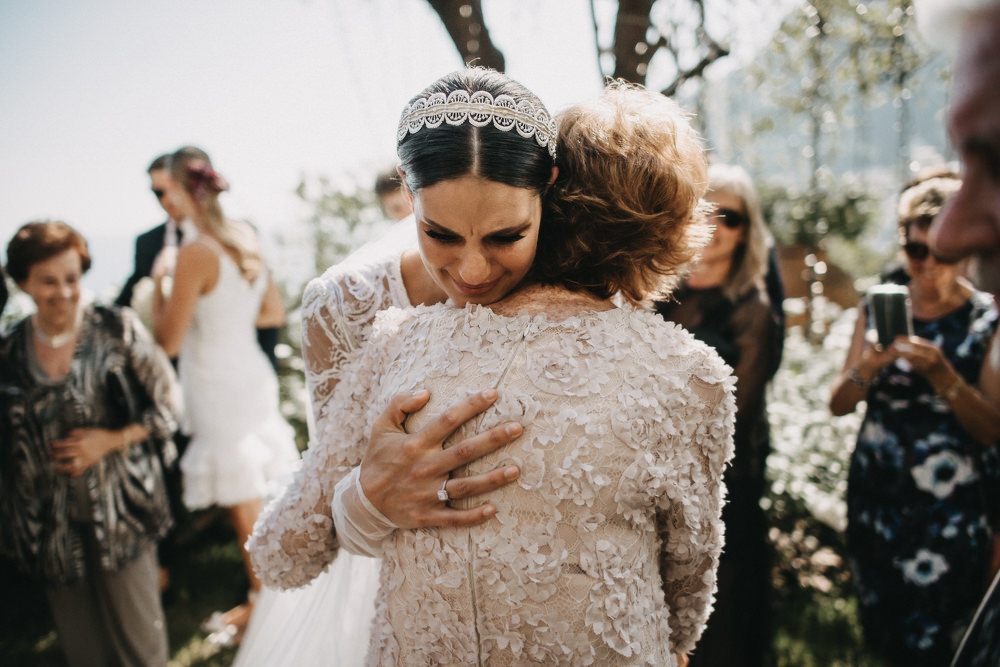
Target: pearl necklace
{"x": 58, "y": 340}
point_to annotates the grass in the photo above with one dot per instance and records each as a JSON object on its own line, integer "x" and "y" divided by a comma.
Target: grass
{"x": 208, "y": 576}
{"x": 815, "y": 611}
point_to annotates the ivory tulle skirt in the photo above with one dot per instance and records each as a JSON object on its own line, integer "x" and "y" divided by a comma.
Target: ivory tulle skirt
{"x": 325, "y": 623}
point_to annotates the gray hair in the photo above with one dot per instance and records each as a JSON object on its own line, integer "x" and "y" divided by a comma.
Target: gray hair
{"x": 751, "y": 266}
{"x": 941, "y": 22}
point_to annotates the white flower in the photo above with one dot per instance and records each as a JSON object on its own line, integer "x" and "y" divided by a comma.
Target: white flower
{"x": 925, "y": 568}
{"x": 941, "y": 473}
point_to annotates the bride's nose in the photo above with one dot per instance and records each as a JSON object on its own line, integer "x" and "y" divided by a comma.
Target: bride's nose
{"x": 474, "y": 267}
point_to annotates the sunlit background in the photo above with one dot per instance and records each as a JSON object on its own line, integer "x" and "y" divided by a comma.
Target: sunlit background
{"x": 274, "y": 90}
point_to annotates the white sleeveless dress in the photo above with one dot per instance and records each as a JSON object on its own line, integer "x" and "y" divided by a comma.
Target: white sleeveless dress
{"x": 327, "y": 620}
{"x": 240, "y": 443}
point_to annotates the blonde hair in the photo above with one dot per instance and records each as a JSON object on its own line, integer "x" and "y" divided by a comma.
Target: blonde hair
{"x": 192, "y": 169}
{"x": 750, "y": 263}
{"x": 924, "y": 196}
{"x": 625, "y": 214}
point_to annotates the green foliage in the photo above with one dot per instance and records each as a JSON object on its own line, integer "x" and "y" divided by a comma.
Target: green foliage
{"x": 829, "y": 58}
{"x": 844, "y": 209}
{"x": 341, "y": 218}
{"x": 815, "y": 606}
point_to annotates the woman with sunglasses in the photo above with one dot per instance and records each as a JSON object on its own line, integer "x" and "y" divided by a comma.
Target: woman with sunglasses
{"x": 724, "y": 303}
{"x": 919, "y": 534}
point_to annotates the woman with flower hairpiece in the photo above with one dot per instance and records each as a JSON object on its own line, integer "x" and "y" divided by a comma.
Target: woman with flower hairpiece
{"x": 921, "y": 488}
{"x": 604, "y": 552}
{"x": 207, "y": 314}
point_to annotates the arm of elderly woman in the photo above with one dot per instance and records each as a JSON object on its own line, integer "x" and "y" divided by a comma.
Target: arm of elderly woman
{"x": 84, "y": 447}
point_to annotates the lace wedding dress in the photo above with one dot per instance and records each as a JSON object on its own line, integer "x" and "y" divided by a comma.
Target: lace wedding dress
{"x": 328, "y": 620}
{"x": 604, "y": 551}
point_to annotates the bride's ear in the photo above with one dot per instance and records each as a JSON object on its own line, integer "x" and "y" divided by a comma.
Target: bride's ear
{"x": 402, "y": 181}
{"x": 554, "y": 176}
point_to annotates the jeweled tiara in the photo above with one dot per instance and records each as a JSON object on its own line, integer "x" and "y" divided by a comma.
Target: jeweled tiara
{"x": 479, "y": 109}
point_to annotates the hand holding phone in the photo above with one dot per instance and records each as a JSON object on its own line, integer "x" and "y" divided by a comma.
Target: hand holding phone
{"x": 890, "y": 312}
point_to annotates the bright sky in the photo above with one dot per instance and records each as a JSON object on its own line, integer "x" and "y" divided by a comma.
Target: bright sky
{"x": 272, "y": 89}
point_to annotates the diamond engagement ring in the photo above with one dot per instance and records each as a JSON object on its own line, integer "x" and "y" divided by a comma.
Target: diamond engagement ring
{"x": 443, "y": 492}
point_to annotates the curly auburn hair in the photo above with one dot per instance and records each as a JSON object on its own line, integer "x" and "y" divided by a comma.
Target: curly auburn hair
{"x": 626, "y": 212}
{"x": 42, "y": 240}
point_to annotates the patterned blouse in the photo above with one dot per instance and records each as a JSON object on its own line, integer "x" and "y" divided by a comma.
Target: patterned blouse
{"x": 121, "y": 501}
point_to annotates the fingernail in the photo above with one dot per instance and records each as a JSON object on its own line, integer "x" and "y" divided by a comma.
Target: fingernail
{"x": 489, "y": 510}
{"x": 489, "y": 394}
{"x": 511, "y": 472}
{"x": 512, "y": 429}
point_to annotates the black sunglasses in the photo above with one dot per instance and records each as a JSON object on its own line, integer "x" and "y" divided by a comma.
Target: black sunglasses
{"x": 919, "y": 251}
{"x": 158, "y": 193}
{"x": 730, "y": 218}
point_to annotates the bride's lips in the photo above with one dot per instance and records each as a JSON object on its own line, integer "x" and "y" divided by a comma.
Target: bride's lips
{"x": 474, "y": 290}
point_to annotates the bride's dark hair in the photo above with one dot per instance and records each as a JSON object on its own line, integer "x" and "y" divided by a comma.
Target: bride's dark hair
{"x": 448, "y": 151}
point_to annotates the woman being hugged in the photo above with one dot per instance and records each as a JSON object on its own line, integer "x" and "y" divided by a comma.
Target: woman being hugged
{"x": 922, "y": 479}
{"x": 207, "y": 313}
{"x": 604, "y": 551}
{"x": 88, "y": 406}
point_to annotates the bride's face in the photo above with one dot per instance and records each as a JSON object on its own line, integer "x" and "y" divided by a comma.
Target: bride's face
{"x": 477, "y": 237}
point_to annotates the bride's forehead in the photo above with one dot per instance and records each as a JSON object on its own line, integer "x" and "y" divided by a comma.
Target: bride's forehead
{"x": 475, "y": 206}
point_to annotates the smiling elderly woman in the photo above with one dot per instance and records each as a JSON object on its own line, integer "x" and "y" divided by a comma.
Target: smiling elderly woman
{"x": 86, "y": 398}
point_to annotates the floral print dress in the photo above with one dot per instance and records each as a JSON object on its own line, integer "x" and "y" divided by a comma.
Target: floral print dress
{"x": 918, "y": 504}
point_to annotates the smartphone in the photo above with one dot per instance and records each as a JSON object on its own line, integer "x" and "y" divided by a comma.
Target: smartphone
{"x": 890, "y": 312}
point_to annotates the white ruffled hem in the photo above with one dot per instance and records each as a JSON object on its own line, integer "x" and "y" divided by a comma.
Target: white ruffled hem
{"x": 229, "y": 474}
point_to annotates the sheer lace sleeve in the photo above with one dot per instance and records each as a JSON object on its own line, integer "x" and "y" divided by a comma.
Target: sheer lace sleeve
{"x": 294, "y": 539}
{"x": 338, "y": 309}
{"x": 689, "y": 512}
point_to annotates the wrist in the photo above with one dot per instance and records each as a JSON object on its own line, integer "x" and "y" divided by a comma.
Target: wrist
{"x": 951, "y": 391}
{"x": 859, "y": 379}
{"x": 128, "y": 437}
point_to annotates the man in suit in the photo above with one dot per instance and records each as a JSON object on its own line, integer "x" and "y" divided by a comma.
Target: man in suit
{"x": 149, "y": 244}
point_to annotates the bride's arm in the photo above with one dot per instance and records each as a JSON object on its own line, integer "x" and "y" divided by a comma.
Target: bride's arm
{"x": 294, "y": 539}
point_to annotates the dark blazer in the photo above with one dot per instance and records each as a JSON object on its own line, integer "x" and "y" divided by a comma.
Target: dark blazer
{"x": 147, "y": 246}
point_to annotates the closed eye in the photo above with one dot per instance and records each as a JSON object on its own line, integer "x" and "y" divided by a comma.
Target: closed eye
{"x": 504, "y": 239}
{"x": 442, "y": 237}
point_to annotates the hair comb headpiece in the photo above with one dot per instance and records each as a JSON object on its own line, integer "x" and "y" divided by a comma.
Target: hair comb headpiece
{"x": 479, "y": 109}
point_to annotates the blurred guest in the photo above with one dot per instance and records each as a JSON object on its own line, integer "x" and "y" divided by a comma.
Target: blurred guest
{"x": 160, "y": 244}
{"x": 392, "y": 198}
{"x": 207, "y": 314}
{"x": 919, "y": 535}
{"x": 168, "y": 234}
{"x": 85, "y": 392}
{"x": 970, "y": 227}
{"x": 724, "y": 303}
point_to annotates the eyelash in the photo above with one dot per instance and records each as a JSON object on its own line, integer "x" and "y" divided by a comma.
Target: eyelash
{"x": 497, "y": 240}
